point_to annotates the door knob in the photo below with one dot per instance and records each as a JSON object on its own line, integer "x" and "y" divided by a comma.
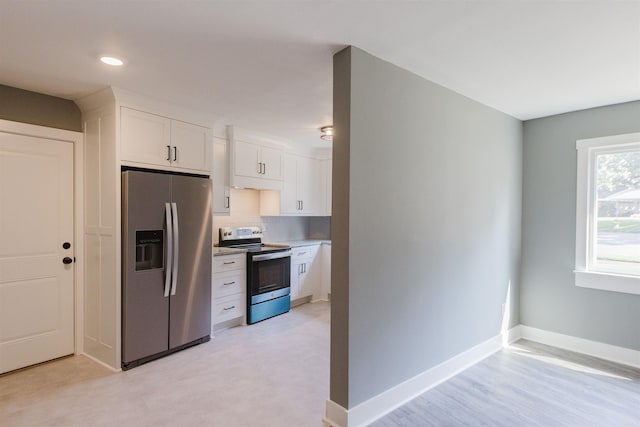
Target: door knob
{"x": 66, "y": 245}
{"x": 67, "y": 260}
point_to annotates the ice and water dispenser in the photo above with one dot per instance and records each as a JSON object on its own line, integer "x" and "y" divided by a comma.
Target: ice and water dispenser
{"x": 149, "y": 249}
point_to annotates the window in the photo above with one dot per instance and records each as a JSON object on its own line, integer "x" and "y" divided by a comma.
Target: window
{"x": 608, "y": 213}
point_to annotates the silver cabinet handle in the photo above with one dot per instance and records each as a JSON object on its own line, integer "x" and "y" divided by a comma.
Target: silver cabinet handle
{"x": 175, "y": 153}
{"x": 229, "y": 308}
{"x": 176, "y": 248}
{"x": 301, "y": 205}
{"x": 264, "y": 169}
{"x": 227, "y": 202}
{"x": 227, "y": 284}
{"x": 229, "y": 262}
{"x": 168, "y": 259}
{"x": 168, "y": 152}
{"x": 259, "y": 168}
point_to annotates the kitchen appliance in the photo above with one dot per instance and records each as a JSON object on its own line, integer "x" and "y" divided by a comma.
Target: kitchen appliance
{"x": 166, "y": 264}
{"x": 268, "y": 272}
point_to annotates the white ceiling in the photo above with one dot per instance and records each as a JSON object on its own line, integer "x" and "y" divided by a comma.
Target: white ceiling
{"x": 266, "y": 65}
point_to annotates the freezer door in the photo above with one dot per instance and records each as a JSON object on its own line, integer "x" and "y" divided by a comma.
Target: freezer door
{"x": 145, "y": 309}
{"x": 190, "y": 303}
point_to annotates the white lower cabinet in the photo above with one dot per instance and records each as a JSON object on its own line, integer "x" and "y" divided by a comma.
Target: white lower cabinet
{"x": 305, "y": 271}
{"x": 227, "y": 308}
{"x": 228, "y": 290}
{"x": 325, "y": 282}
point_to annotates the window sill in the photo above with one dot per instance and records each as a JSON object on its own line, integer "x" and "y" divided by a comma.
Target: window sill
{"x": 608, "y": 282}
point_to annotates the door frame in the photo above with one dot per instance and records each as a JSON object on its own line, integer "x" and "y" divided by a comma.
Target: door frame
{"x": 77, "y": 139}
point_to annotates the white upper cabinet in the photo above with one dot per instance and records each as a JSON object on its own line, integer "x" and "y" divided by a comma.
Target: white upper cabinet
{"x": 220, "y": 175}
{"x": 310, "y": 186}
{"x": 289, "y": 202}
{"x": 190, "y": 145}
{"x": 247, "y": 159}
{"x": 146, "y": 138}
{"x": 256, "y": 166}
{"x": 302, "y": 187}
{"x": 271, "y": 163}
{"x": 155, "y": 140}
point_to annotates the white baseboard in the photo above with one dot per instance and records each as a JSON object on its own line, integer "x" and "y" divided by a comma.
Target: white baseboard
{"x": 625, "y": 356}
{"x": 376, "y": 407}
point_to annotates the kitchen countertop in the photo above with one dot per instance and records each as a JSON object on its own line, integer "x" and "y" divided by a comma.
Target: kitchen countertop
{"x": 227, "y": 251}
{"x": 217, "y": 251}
{"x": 298, "y": 243}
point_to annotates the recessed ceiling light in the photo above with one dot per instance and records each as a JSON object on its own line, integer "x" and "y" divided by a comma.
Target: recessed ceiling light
{"x": 112, "y": 60}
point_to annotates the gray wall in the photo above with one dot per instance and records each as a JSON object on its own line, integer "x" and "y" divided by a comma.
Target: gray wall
{"x": 425, "y": 228}
{"x": 35, "y": 108}
{"x": 550, "y": 300}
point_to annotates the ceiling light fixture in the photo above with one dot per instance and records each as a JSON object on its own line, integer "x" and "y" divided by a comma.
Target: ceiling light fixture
{"x": 326, "y": 133}
{"x": 112, "y": 60}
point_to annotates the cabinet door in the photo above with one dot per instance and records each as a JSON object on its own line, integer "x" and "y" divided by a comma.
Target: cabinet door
{"x": 305, "y": 287}
{"x": 190, "y": 146}
{"x": 296, "y": 268}
{"x": 145, "y": 138}
{"x": 272, "y": 160}
{"x": 220, "y": 174}
{"x": 228, "y": 283}
{"x": 229, "y": 307}
{"x": 309, "y": 186}
{"x": 246, "y": 159}
{"x": 289, "y": 201}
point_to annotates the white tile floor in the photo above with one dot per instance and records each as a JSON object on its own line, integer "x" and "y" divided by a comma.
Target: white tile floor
{"x": 275, "y": 373}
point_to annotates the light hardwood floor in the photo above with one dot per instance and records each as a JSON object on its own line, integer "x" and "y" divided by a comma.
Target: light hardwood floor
{"x": 529, "y": 384}
{"x": 275, "y": 373}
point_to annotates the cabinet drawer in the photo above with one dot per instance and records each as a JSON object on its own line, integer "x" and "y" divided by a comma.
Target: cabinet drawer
{"x": 304, "y": 252}
{"x": 229, "y": 283}
{"x": 229, "y": 262}
{"x": 229, "y": 307}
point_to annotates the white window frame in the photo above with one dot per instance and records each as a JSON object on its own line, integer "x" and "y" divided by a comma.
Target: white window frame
{"x": 586, "y": 273}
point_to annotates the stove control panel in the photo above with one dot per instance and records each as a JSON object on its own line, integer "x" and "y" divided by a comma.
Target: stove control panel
{"x": 237, "y": 233}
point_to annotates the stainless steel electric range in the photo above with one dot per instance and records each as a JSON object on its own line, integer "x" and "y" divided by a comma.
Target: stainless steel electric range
{"x": 268, "y": 272}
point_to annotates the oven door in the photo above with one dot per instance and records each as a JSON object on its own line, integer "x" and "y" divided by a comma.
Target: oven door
{"x": 269, "y": 276}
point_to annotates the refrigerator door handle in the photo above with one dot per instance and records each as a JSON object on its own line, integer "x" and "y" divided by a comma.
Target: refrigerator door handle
{"x": 169, "y": 258}
{"x": 176, "y": 248}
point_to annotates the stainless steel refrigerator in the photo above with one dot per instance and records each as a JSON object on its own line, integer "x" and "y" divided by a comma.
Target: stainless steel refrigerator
{"x": 166, "y": 264}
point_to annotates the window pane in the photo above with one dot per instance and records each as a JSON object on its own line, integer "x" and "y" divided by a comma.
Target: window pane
{"x": 618, "y": 211}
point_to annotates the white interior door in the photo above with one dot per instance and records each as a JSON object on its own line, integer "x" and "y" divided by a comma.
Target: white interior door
{"x": 36, "y": 219}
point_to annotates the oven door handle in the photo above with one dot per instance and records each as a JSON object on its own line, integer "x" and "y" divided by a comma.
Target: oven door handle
{"x": 275, "y": 255}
